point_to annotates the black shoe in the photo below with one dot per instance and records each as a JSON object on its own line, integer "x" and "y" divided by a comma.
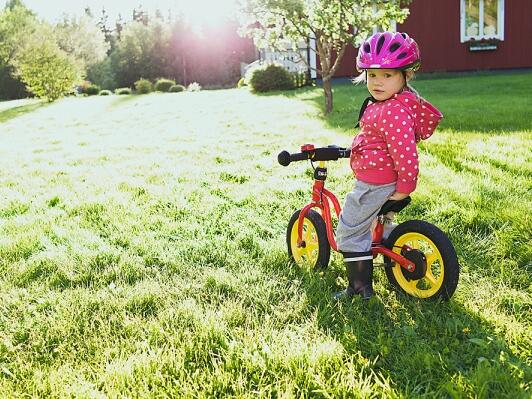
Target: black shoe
{"x": 359, "y": 267}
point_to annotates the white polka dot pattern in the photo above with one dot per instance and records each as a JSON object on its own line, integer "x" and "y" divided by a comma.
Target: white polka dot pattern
{"x": 384, "y": 151}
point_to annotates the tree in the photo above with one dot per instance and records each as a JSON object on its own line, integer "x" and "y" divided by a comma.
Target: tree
{"x": 103, "y": 74}
{"x": 141, "y": 52}
{"x": 83, "y": 40}
{"x": 119, "y": 27}
{"x": 333, "y": 24}
{"x": 16, "y": 24}
{"x": 11, "y": 4}
{"x": 141, "y": 16}
{"x": 47, "y": 71}
{"x": 108, "y": 33}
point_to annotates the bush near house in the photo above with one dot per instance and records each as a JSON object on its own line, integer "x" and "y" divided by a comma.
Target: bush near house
{"x": 249, "y": 72}
{"x": 143, "y": 86}
{"x": 123, "y": 91}
{"x": 105, "y": 93}
{"x": 271, "y": 77}
{"x": 92, "y": 90}
{"x": 177, "y": 89}
{"x": 164, "y": 85}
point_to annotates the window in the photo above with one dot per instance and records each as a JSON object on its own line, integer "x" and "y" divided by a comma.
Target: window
{"x": 481, "y": 19}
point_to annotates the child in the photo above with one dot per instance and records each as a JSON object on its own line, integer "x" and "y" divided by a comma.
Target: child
{"x": 383, "y": 154}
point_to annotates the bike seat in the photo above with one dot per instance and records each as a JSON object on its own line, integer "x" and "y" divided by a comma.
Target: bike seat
{"x": 394, "y": 206}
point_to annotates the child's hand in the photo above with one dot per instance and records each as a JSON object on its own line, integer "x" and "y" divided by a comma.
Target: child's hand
{"x": 398, "y": 196}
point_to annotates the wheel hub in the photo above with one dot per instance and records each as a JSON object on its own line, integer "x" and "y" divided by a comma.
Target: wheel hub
{"x": 419, "y": 259}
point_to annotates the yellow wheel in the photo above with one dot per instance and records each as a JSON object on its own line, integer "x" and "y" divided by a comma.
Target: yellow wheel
{"x": 437, "y": 268}
{"x": 315, "y": 251}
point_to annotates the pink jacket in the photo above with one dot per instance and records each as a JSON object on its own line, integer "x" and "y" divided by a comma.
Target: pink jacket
{"x": 385, "y": 149}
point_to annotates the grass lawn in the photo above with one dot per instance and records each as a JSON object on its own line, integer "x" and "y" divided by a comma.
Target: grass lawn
{"x": 142, "y": 250}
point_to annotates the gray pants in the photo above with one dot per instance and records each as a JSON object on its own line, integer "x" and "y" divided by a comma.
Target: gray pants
{"x": 360, "y": 210}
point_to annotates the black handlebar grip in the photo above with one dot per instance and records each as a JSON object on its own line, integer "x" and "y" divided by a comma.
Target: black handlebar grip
{"x": 284, "y": 157}
{"x": 299, "y": 156}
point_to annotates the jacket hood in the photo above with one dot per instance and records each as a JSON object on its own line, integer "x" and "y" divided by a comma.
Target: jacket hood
{"x": 425, "y": 115}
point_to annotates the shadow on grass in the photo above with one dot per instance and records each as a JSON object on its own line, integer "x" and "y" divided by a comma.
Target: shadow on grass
{"x": 123, "y": 99}
{"x": 487, "y": 102}
{"x": 14, "y": 112}
{"x": 426, "y": 349}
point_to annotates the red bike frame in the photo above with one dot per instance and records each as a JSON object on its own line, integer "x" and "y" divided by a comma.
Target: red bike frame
{"x": 321, "y": 198}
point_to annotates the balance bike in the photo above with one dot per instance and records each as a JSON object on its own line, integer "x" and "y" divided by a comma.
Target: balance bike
{"x": 419, "y": 258}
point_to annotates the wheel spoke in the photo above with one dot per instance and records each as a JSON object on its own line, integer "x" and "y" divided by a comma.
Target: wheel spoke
{"x": 311, "y": 243}
{"x": 430, "y": 277}
{"x": 415, "y": 289}
{"x": 311, "y": 246}
{"x": 431, "y": 259}
{"x": 308, "y": 235}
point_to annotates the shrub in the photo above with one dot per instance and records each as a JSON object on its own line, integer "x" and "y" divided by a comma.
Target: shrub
{"x": 249, "y": 73}
{"x": 143, "y": 86}
{"x": 241, "y": 83}
{"x": 123, "y": 91}
{"x": 195, "y": 86}
{"x": 177, "y": 89}
{"x": 105, "y": 93}
{"x": 92, "y": 90}
{"x": 164, "y": 85}
{"x": 271, "y": 77}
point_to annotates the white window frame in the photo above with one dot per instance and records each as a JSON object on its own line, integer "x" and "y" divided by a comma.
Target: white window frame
{"x": 500, "y": 22}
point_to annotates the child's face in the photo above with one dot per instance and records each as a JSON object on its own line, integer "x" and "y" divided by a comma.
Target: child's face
{"x": 384, "y": 83}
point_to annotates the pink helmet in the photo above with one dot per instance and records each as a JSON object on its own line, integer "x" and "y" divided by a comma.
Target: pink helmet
{"x": 388, "y": 50}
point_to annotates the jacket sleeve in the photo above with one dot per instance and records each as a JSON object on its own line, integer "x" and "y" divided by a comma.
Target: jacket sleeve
{"x": 399, "y": 133}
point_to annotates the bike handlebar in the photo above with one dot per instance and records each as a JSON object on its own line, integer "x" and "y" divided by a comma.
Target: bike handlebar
{"x": 329, "y": 153}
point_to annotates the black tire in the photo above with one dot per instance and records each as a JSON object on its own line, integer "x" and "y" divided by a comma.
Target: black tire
{"x": 316, "y": 255}
{"x": 442, "y": 270}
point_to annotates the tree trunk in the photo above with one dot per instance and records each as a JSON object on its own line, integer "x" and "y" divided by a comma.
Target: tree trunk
{"x": 328, "y": 68}
{"x": 184, "y": 62}
{"x": 327, "y": 89}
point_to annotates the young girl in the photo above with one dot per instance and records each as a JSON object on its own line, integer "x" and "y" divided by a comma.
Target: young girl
{"x": 383, "y": 155}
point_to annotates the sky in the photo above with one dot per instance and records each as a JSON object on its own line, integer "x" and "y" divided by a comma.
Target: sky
{"x": 196, "y": 10}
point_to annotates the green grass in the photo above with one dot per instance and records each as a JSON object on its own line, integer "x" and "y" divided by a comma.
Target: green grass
{"x": 142, "y": 251}
{"x": 485, "y": 103}
{"x": 13, "y": 109}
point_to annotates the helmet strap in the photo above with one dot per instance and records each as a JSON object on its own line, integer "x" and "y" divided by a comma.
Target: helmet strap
{"x": 364, "y": 106}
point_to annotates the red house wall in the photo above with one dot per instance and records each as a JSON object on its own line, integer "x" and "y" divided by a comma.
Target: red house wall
{"x": 436, "y": 27}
